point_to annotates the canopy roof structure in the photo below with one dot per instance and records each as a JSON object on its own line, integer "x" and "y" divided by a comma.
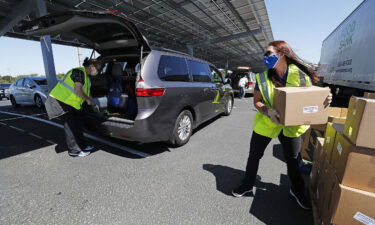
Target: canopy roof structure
{"x": 219, "y": 31}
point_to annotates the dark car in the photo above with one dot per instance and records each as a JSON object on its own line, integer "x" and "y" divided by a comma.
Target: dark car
{"x": 4, "y": 91}
{"x": 145, "y": 94}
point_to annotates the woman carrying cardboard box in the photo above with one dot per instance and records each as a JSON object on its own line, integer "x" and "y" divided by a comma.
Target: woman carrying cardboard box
{"x": 285, "y": 69}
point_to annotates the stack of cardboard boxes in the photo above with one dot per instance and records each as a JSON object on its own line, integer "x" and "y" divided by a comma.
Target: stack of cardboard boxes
{"x": 343, "y": 174}
{"x": 310, "y": 138}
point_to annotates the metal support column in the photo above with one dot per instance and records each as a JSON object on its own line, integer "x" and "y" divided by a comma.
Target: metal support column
{"x": 45, "y": 42}
{"x": 226, "y": 67}
{"x": 190, "y": 49}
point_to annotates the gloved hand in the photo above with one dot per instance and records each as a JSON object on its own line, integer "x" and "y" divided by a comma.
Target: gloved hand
{"x": 274, "y": 115}
{"x": 328, "y": 100}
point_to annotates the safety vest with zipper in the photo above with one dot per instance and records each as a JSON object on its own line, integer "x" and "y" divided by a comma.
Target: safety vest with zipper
{"x": 64, "y": 90}
{"x": 263, "y": 125}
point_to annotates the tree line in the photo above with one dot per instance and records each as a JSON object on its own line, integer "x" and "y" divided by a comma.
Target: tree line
{"x": 7, "y": 79}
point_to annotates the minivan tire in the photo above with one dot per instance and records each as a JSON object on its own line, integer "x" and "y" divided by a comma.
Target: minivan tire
{"x": 228, "y": 107}
{"x": 183, "y": 129}
{"x": 13, "y": 101}
{"x": 38, "y": 101}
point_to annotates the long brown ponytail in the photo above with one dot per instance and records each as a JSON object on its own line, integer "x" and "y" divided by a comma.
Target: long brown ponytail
{"x": 291, "y": 58}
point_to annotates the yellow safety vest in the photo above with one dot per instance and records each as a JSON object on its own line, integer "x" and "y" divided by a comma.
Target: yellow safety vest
{"x": 64, "y": 90}
{"x": 263, "y": 125}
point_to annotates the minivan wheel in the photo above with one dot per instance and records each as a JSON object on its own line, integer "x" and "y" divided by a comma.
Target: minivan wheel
{"x": 38, "y": 101}
{"x": 228, "y": 107}
{"x": 183, "y": 129}
{"x": 13, "y": 101}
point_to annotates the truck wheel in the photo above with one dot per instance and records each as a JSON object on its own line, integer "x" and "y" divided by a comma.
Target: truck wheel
{"x": 38, "y": 101}
{"x": 183, "y": 129}
{"x": 13, "y": 101}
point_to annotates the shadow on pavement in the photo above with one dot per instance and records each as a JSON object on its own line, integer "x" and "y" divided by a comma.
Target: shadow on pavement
{"x": 21, "y": 135}
{"x": 271, "y": 204}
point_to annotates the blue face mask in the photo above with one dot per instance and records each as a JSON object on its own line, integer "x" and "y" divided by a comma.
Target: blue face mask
{"x": 270, "y": 61}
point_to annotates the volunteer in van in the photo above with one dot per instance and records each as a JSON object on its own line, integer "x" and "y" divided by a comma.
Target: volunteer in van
{"x": 285, "y": 69}
{"x": 71, "y": 93}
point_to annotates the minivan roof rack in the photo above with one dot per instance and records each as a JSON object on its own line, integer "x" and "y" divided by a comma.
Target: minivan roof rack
{"x": 170, "y": 50}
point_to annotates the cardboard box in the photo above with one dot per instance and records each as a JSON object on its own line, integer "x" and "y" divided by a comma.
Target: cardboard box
{"x": 330, "y": 183}
{"x": 369, "y": 95}
{"x": 318, "y": 163}
{"x": 350, "y": 206}
{"x": 309, "y": 141}
{"x": 330, "y": 136}
{"x": 360, "y": 123}
{"x": 301, "y": 105}
{"x": 355, "y": 166}
{"x": 325, "y": 185}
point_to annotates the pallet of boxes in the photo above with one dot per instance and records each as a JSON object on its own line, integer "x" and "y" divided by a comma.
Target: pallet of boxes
{"x": 342, "y": 151}
{"x": 343, "y": 173}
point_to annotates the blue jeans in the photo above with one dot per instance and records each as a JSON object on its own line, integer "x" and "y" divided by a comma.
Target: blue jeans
{"x": 242, "y": 92}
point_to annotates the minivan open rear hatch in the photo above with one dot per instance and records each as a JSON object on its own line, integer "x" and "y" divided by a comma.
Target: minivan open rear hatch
{"x": 107, "y": 32}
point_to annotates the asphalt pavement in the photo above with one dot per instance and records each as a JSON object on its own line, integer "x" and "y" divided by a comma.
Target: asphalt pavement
{"x": 41, "y": 184}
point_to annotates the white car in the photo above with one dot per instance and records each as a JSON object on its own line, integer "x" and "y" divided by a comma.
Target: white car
{"x": 29, "y": 91}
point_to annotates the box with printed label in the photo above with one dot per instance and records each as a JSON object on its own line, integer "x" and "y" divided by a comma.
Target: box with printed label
{"x": 360, "y": 122}
{"x": 330, "y": 135}
{"x": 318, "y": 163}
{"x": 369, "y": 95}
{"x": 349, "y": 206}
{"x": 354, "y": 166}
{"x": 301, "y": 105}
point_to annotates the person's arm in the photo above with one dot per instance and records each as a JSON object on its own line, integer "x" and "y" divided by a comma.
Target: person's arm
{"x": 78, "y": 89}
{"x": 258, "y": 103}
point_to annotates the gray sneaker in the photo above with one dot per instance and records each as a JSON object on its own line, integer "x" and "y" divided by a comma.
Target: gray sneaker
{"x": 79, "y": 154}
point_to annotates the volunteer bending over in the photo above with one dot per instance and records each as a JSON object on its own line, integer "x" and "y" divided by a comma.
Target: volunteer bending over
{"x": 285, "y": 69}
{"x": 71, "y": 93}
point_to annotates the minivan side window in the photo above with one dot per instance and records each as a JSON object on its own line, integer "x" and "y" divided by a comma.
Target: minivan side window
{"x": 216, "y": 75}
{"x": 199, "y": 71}
{"x": 173, "y": 68}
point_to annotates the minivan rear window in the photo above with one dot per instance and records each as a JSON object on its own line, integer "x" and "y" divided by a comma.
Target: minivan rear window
{"x": 173, "y": 68}
{"x": 199, "y": 71}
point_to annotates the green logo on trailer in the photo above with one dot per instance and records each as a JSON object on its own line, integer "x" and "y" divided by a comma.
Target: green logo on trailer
{"x": 347, "y": 37}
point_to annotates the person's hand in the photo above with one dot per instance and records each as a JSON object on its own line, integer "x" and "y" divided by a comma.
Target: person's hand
{"x": 328, "y": 100}
{"x": 90, "y": 102}
{"x": 274, "y": 115}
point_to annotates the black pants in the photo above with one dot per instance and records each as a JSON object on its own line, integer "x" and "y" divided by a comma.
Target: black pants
{"x": 291, "y": 148}
{"x": 73, "y": 128}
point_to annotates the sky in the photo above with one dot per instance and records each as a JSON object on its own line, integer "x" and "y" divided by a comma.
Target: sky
{"x": 304, "y": 24}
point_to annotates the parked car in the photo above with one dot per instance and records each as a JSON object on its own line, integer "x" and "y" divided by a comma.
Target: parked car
{"x": 164, "y": 94}
{"x": 4, "y": 91}
{"x": 237, "y": 75}
{"x": 29, "y": 91}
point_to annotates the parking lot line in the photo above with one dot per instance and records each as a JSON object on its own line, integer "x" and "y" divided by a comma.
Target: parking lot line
{"x": 124, "y": 148}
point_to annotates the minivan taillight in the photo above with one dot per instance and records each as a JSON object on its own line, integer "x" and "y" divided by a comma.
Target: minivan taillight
{"x": 143, "y": 92}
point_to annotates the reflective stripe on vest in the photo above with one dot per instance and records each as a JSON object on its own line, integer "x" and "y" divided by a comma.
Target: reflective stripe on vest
{"x": 263, "y": 82}
{"x": 64, "y": 90}
{"x": 262, "y": 123}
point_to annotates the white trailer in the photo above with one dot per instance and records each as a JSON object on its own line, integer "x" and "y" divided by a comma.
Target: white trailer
{"x": 347, "y": 60}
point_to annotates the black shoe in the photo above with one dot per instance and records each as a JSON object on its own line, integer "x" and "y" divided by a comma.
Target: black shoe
{"x": 301, "y": 199}
{"x": 242, "y": 190}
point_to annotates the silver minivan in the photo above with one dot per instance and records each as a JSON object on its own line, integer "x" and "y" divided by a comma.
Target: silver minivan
{"x": 29, "y": 91}
{"x": 162, "y": 94}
